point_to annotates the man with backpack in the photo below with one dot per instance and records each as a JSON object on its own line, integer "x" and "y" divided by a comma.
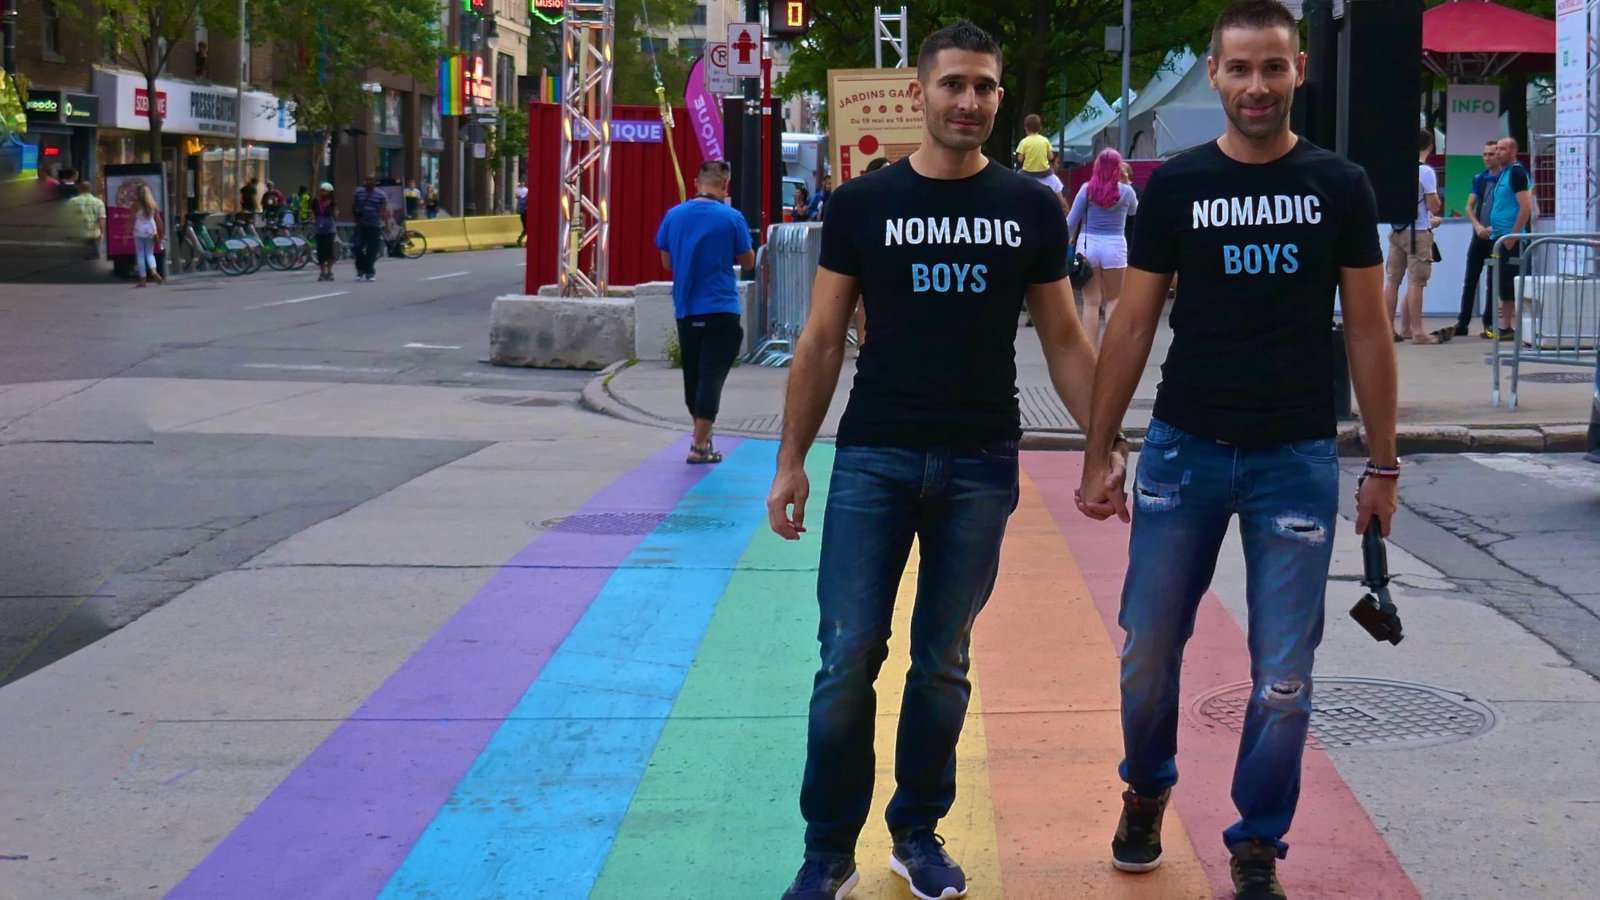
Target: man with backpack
{"x": 1411, "y": 251}
{"x": 1510, "y": 215}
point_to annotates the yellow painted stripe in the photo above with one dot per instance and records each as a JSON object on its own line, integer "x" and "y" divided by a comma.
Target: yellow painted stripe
{"x": 969, "y": 829}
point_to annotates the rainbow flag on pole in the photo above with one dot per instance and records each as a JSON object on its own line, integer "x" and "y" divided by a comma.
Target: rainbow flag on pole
{"x": 452, "y": 96}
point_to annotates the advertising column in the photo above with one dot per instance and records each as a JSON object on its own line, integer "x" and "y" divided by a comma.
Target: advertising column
{"x": 1573, "y": 120}
{"x": 871, "y": 115}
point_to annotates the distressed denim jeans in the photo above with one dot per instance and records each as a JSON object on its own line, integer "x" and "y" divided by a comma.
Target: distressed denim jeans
{"x": 955, "y": 502}
{"x": 1186, "y": 491}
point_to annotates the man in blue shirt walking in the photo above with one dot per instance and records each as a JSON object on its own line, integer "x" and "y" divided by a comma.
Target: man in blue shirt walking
{"x": 371, "y": 210}
{"x": 700, "y": 242}
{"x": 1479, "y": 202}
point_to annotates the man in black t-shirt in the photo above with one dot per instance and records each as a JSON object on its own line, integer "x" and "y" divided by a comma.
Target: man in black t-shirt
{"x": 1262, "y": 226}
{"x": 944, "y": 246}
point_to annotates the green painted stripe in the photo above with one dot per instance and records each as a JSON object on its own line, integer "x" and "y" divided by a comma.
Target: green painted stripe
{"x": 718, "y": 811}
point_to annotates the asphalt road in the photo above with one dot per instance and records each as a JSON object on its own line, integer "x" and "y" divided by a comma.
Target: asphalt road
{"x": 98, "y": 530}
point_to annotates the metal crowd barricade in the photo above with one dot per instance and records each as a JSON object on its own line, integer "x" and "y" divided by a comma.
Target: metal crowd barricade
{"x": 785, "y": 268}
{"x": 1557, "y": 304}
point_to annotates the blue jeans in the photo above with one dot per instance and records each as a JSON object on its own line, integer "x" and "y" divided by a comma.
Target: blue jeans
{"x": 955, "y": 502}
{"x": 144, "y": 256}
{"x": 1186, "y": 491}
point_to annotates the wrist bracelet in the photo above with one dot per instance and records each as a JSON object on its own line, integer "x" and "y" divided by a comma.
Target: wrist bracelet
{"x": 1377, "y": 471}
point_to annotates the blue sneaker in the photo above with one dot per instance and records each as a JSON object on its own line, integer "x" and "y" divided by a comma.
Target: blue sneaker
{"x": 920, "y": 859}
{"x": 824, "y": 879}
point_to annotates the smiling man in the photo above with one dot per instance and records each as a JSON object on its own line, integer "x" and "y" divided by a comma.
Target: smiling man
{"x": 1261, "y": 227}
{"x": 944, "y": 246}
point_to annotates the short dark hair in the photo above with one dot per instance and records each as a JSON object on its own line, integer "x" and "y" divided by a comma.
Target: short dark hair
{"x": 1424, "y": 140}
{"x": 715, "y": 170}
{"x": 958, "y": 35}
{"x": 877, "y": 164}
{"x": 1254, "y": 15}
{"x": 1032, "y": 122}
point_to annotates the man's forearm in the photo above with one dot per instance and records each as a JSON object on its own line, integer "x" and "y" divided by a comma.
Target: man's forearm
{"x": 1072, "y": 368}
{"x": 1123, "y": 353}
{"x": 812, "y": 378}
{"x": 1372, "y": 370}
{"x": 1524, "y": 215}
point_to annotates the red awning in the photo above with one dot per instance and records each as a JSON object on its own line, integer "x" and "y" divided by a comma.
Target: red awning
{"x": 1479, "y": 26}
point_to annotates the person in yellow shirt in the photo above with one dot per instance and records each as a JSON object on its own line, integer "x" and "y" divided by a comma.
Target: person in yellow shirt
{"x": 1034, "y": 150}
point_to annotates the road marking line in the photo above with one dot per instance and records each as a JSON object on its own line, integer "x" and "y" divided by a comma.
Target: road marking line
{"x": 445, "y": 275}
{"x": 416, "y": 346}
{"x": 299, "y": 300}
{"x": 314, "y": 367}
{"x": 1555, "y": 473}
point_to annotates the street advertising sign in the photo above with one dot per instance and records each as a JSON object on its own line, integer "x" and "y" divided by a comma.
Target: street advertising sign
{"x": 718, "y": 80}
{"x": 1472, "y": 117}
{"x": 871, "y": 115}
{"x": 624, "y": 131}
{"x": 122, "y": 186}
{"x": 44, "y": 106}
{"x": 705, "y": 114}
{"x": 1572, "y": 117}
{"x": 551, "y": 12}
{"x": 744, "y": 49}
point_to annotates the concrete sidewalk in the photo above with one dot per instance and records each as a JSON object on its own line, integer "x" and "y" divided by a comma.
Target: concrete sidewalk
{"x": 1444, "y": 399}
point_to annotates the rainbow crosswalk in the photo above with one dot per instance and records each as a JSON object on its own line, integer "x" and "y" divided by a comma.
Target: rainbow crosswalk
{"x": 623, "y": 716}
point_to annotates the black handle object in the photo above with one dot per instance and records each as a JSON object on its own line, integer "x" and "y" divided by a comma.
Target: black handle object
{"x": 1375, "y": 611}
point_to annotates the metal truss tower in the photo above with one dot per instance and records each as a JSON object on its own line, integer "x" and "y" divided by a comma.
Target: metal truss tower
{"x": 587, "y": 33}
{"x": 883, "y": 34}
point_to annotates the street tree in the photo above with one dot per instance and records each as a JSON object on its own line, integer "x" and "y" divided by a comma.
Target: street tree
{"x": 141, "y": 34}
{"x": 329, "y": 45}
{"x": 633, "y": 78}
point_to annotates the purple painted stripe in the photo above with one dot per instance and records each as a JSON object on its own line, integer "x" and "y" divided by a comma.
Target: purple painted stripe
{"x": 342, "y": 822}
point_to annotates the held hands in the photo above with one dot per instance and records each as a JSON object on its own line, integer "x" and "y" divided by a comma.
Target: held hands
{"x": 1377, "y": 497}
{"x": 790, "y": 488}
{"x": 1101, "y": 494}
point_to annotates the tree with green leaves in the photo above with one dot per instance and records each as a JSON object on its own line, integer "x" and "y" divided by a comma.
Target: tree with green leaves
{"x": 508, "y": 139}
{"x": 1055, "y": 55}
{"x": 633, "y": 77}
{"x": 330, "y": 44}
{"x": 141, "y": 35}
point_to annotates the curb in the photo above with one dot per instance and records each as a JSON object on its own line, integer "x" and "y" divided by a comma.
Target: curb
{"x": 1566, "y": 437}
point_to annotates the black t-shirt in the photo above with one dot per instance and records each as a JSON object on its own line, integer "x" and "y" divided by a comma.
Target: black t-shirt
{"x": 1257, "y": 249}
{"x": 943, "y": 266}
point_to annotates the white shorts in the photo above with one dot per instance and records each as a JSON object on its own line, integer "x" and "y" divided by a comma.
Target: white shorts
{"x": 1104, "y": 251}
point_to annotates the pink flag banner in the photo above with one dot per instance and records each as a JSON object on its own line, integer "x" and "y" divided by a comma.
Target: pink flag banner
{"x": 705, "y": 112}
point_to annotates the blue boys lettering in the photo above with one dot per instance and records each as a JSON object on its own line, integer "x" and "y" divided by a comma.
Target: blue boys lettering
{"x": 947, "y": 278}
{"x": 1259, "y": 259}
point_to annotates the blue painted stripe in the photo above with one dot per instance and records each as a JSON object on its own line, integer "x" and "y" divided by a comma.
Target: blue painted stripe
{"x": 538, "y": 811}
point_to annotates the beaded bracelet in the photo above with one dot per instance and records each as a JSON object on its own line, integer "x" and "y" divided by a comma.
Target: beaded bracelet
{"x": 1377, "y": 471}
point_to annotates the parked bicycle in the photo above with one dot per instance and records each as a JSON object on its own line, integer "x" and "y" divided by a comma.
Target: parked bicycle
{"x": 404, "y": 241}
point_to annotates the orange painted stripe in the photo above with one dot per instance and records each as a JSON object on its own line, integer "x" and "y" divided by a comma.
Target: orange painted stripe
{"x": 1054, "y": 736}
{"x": 1336, "y": 850}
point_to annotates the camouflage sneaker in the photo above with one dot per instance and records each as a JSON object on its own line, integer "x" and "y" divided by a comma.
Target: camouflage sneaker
{"x": 1255, "y": 871}
{"x": 1137, "y": 846}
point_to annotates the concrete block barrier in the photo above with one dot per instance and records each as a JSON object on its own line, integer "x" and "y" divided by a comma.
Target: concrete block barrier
{"x": 484, "y": 232}
{"x": 560, "y": 332}
{"x": 444, "y": 235}
{"x": 655, "y": 322}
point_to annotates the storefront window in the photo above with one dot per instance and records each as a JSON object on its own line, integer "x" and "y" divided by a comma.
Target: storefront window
{"x": 219, "y": 185}
{"x": 430, "y": 117}
{"x": 430, "y": 169}
{"x": 391, "y": 112}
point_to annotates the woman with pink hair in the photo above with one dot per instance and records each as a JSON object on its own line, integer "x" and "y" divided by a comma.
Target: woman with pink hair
{"x": 1097, "y": 223}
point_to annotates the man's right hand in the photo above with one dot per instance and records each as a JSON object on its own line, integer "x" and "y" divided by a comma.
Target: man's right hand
{"x": 1482, "y": 230}
{"x": 1100, "y": 495}
{"x": 790, "y": 488}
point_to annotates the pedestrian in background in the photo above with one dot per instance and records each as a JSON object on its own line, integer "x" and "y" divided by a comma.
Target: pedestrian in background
{"x": 1411, "y": 253}
{"x": 67, "y": 183}
{"x": 431, "y": 204}
{"x": 802, "y": 205}
{"x": 413, "y": 198}
{"x": 146, "y": 235}
{"x": 1510, "y": 213}
{"x": 371, "y": 210}
{"x": 1033, "y": 151}
{"x": 247, "y": 200}
{"x": 1479, "y": 202}
{"x": 86, "y": 215}
{"x": 302, "y": 205}
{"x": 819, "y": 200}
{"x": 701, "y": 240}
{"x": 1097, "y": 225}
{"x": 324, "y": 210}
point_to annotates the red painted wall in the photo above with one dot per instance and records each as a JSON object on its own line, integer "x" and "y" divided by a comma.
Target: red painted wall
{"x": 643, "y": 188}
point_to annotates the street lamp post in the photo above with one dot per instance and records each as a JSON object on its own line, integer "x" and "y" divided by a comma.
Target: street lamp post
{"x": 1123, "y": 144}
{"x": 238, "y": 112}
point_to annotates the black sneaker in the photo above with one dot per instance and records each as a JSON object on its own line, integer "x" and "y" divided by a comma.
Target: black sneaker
{"x": 1508, "y": 334}
{"x": 1255, "y": 871}
{"x": 1461, "y": 331}
{"x": 824, "y": 879}
{"x": 920, "y": 859}
{"x": 1137, "y": 846}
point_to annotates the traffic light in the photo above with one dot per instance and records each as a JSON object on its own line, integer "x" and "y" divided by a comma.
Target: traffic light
{"x": 788, "y": 18}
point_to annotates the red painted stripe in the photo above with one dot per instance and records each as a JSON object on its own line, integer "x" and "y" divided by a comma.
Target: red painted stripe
{"x": 1336, "y": 849}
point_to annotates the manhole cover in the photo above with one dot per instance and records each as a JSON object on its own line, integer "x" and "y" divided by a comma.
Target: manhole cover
{"x": 1367, "y": 713}
{"x": 1559, "y": 377}
{"x": 497, "y": 400}
{"x": 633, "y": 523}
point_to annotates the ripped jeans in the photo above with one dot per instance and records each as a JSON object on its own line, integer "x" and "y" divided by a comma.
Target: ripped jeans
{"x": 955, "y": 502}
{"x": 1186, "y": 491}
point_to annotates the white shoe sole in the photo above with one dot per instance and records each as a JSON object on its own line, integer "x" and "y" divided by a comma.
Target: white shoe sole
{"x": 848, "y": 886}
{"x": 1136, "y": 868}
{"x": 897, "y": 867}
